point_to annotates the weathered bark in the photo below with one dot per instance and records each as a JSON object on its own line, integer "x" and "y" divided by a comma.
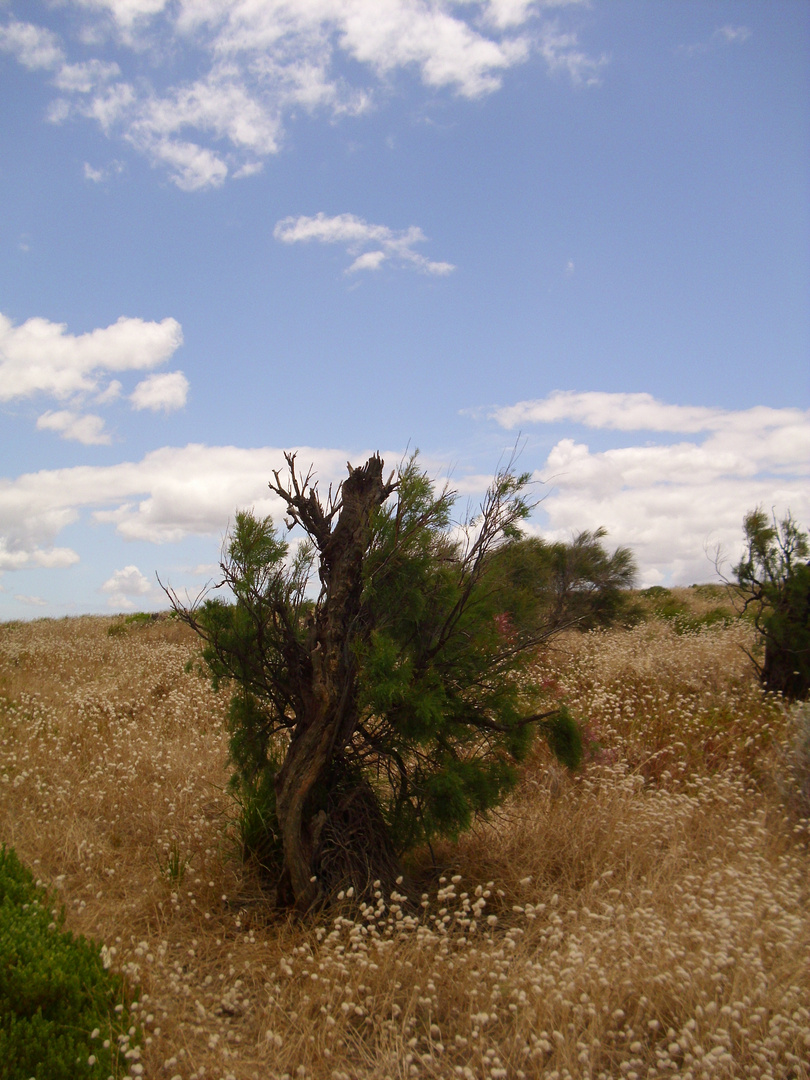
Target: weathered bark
{"x": 328, "y": 718}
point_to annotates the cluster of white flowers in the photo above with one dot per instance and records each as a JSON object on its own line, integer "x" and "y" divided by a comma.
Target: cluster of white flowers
{"x": 647, "y": 918}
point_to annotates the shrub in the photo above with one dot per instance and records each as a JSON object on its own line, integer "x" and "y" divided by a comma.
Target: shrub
{"x": 773, "y": 582}
{"x": 61, "y": 1011}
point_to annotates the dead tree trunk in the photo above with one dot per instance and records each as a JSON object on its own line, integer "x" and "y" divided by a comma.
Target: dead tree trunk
{"x": 328, "y": 718}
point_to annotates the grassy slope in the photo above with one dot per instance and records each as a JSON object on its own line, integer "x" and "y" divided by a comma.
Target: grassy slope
{"x": 647, "y": 918}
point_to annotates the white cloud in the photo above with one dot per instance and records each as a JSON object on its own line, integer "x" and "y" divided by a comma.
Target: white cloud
{"x": 643, "y": 412}
{"x": 126, "y": 12}
{"x": 42, "y": 357}
{"x": 504, "y": 13}
{"x": 84, "y": 77}
{"x": 669, "y": 502}
{"x": 192, "y": 167}
{"x": 219, "y": 103}
{"x": 107, "y": 107}
{"x": 129, "y": 581}
{"x": 259, "y": 62}
{"x": 168, "y": 495}
{"x": 733, "y": 34}
{"x": 30, "y": 601}
{"x": 161, "y": 393}
{"x": 369, "y": 260}
{"x": 204, "y": 569}
{"x": 58, "y": 111}
{"x": 126, "y": 583}
{"x": 448, "y": 51}
{"x": 110, "y": 393}
{"x": 34, "y": 46}
{"x": 354, "y": 234}
{"x": 96, "y": 175}
{"x": 562, "y": 55}
{"x": 724, "y": 35}
{"x": 250, "y": 168}
{"x": 87, "y": 429}
{"x": 21, "y": 558}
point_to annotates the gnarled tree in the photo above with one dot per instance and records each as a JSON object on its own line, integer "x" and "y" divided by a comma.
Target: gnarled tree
{"x": 393, "y": 706}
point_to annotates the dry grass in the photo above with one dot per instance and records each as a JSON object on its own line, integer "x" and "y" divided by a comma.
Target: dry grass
{"x": 646, "y": 919}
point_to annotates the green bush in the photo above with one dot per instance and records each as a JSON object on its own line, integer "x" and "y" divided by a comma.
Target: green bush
{"x": 665, "y": 605}
{"x": 62, "y": 1014}
{"x": 133, "y": 621}
{"x": 662, "y": 603}
{"x": 773, "y": 583}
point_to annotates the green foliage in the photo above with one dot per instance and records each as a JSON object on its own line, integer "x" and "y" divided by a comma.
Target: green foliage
{"x": 663, "y": 604}
{"x": 173, "y": 864}
{"x": 129, "y": 622}
{"x": 566, "y": 584}
{"x": 716, "y": 616}
{"x": 773, "y": 579}
{"x": 253, "y": 783}
{"x": 439, "y": 694}
{"x": 564, "y": 737}
{"x": 57, "y": 1001}
{"x": 710, "y": 591}
{"x": 248, "y": 641}
{"x": 141, "y": 618}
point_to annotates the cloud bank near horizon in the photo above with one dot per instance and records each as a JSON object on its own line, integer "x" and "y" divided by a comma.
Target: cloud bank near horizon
{"x": 257, "y": 64}
{"x": 671, "y": 503}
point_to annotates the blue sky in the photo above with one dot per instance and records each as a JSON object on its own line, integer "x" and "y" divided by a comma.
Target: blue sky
{"x": 230, "y": 228}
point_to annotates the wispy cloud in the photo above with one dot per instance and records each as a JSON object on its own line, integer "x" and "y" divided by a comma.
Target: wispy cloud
{"x": 260, "y": 62}
{"x": 355, "y": 235}
{"x": 643, "y": 412}
{"x": 34, "y": 46}
{"x": 723, "y": 35}
{"x": 733, "y": 34}
{"x": 98, "y": 176}
{"x": 562, "y": 54}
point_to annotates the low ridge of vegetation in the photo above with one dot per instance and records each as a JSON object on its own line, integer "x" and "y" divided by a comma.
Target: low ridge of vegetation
{"x": 646, "y": 916}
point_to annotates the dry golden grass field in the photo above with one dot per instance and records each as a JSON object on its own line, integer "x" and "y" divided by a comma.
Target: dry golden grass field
{"x": 647, "y": 917}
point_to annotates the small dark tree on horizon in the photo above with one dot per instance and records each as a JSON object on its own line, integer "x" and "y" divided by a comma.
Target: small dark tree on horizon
{"x": 394, "y": 706}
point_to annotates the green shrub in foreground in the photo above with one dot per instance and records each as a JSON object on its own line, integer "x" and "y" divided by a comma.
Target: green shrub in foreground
{"x": 58, "y": 1004}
